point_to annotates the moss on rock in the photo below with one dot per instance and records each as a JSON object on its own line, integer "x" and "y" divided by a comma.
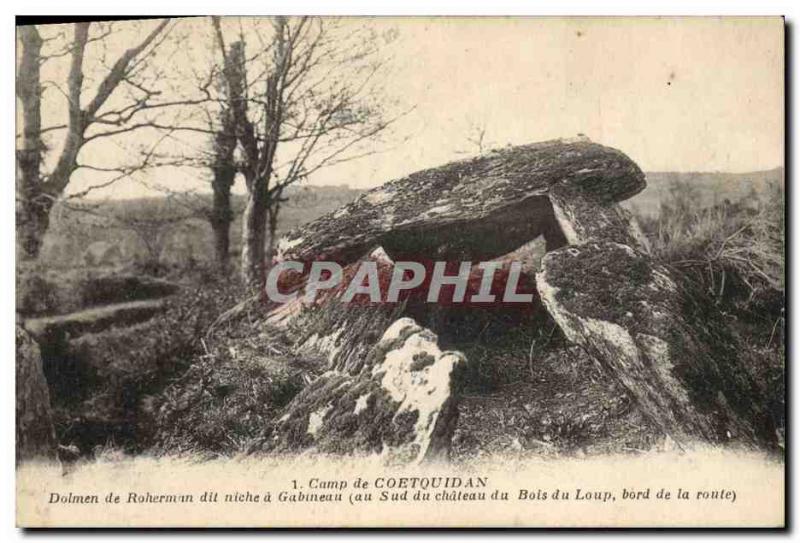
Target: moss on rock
{"x": 651, "y": 333}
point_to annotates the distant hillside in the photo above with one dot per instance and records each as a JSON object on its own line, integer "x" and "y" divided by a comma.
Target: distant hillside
{"x": 714, "y": 187}
{"x": 73, "y": 231}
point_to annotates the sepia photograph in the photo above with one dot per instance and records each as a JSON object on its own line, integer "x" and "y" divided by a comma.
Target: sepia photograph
{"x": 400, "y": 272}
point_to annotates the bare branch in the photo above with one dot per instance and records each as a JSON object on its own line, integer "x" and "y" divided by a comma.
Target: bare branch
{"x": 119, "y": 70}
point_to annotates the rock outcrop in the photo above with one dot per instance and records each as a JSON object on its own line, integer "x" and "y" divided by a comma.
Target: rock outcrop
{"x": 597, "y": 282}
{"x": 35, "y": 435}
{"x": 402, "y": 403}
{"x": 342, "y": 333}
{"x": 389, "y": 388}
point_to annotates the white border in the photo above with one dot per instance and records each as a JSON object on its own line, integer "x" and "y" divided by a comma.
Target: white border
{"x": 323, "y": 7}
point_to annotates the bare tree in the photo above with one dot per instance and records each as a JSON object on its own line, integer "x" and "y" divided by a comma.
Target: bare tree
{"x": 38, "y": 190}
{"x": 152, "y": 224}
{"x": 223, "y": 176}
{"x": 218, "y": 158}
{"x": 476, "y": 137}
{"x": 307, "y": 100}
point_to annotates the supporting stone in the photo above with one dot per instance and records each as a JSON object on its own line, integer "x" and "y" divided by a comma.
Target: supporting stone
{"x": 658, "y": 340}
{"x": 583, "y": 219}
{"x": 401, "y": 403}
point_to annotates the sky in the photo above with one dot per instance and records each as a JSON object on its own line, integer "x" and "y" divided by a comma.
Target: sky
{"x": 697, "y": 94}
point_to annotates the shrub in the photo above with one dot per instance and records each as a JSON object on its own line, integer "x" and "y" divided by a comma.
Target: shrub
{"x": 734, "y": 251}
{"x": 128, "y": 363}
{"x": 36, "y": 295}
{"x": 100, "y": 289}
{"x": 222, "y": 404}
{"x": 39, "y": 292}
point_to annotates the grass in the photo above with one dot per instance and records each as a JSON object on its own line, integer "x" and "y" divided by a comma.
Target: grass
{"x": 101, "y": 380}
{"x": 734, "y": 250}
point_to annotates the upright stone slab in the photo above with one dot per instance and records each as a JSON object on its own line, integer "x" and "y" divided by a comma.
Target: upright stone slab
{"x": 35, "y": 436}
{"x": 402, "y": 403}
{"x": 658, "y": 340}
{"x": 585, "y": 218}
{"x": 389, "y": 389}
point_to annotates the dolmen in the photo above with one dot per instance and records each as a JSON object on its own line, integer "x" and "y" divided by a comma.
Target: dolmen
{"x": 391, "y": 389}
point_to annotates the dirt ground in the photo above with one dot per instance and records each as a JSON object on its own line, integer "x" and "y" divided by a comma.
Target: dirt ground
{"x": 562, "y": 404}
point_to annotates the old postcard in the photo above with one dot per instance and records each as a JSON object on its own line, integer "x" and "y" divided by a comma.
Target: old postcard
{"x": 400, "y": 272}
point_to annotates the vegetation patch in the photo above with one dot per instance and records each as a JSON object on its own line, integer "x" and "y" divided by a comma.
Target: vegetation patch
{"x": 99, "y": 381}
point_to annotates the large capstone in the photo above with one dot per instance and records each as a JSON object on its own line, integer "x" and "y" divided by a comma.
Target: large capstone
{"x": 476, "y": 209}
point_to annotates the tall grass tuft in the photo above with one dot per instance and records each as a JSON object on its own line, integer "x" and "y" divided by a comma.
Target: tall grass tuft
{"x": 733, "y": 251}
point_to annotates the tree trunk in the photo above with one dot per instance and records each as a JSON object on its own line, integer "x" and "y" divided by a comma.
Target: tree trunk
{"x": 272, "y": 225}
{"x": 258, "y": 163}
{"x": 222, "y": 244}
{"x": 254, "y": 230}
{"x": 222, "y": 215}
{"x": 37, "y": 192}
{"x": 269, "y": 256}
{"x": 32, "y": 208}
{"x": 33, "y": 219}
{"x": 221, "y": 212}
{"x": 37, "y": 196}
{"x": 224, "y": 176}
